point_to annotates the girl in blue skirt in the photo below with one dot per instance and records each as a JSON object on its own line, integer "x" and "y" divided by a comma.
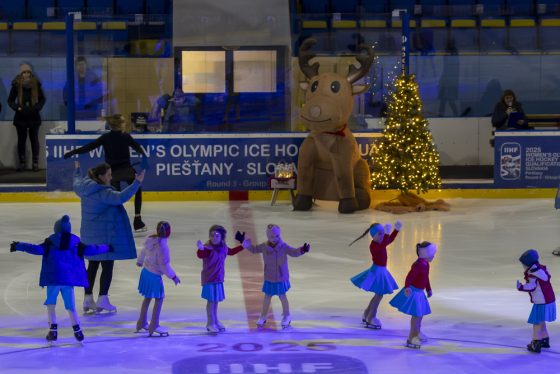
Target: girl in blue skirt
{"x": 377, "y": 278}
{"x": 411, "y": 299}
{"x": 156, "y": 262}
{"x": 275, "y": 254}
{"x": 542, "y": 296}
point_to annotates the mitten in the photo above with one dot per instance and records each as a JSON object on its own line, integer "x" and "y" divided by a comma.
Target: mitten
{"x": 13, "y": 246}
{"x": 240, "y": 236}
{"x": 519, "y": 286}
{"x": 305, "y": 248}
{"x": 398, "y": 225}
{"x": 429, "y": 293}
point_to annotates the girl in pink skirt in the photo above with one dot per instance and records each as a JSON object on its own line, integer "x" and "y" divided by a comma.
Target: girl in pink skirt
{"x": 377, "y": 278}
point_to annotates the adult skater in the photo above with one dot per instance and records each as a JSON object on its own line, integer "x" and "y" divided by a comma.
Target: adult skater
{"x": 104, "y": 221}
{"x": 116, "y": 144}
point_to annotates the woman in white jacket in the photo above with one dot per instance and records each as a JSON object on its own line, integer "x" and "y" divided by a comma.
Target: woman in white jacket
{"x": 156, "y": 262}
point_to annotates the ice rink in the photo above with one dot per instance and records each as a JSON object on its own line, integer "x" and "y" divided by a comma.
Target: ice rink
{"x": 478, "y": 324}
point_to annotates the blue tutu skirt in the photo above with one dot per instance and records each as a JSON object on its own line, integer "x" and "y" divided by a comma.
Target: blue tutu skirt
{"x": 376, "y": 279}
{"x": 213, "y": 292}
{"x": 150, "y": 285}
{"x": 542, "y": 313}
{"x": 275, "y": 288}
{"x": 416, "y": 305}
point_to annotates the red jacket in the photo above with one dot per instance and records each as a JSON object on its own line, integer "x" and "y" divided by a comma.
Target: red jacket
{"x": 379, "y": 250}
{"x": 213, "y": 261}
{"x": 419, "y": 275}
{"x": 538, "y": 285}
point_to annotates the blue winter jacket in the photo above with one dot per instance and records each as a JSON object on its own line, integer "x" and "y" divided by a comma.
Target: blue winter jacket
{"x": 104, "y": 218}
{"x": 62, "y": 267}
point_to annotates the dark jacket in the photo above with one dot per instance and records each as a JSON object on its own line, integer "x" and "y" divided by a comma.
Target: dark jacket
{"x": 500, "y": 116}
{"x": 29, "y": 115}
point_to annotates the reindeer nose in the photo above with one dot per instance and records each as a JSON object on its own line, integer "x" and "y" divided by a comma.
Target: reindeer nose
{"x": 315, "y": 111}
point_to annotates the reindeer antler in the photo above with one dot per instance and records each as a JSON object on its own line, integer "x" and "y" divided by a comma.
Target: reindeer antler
{"x": 305, "y": 55}
{"x": 365, "y": 63}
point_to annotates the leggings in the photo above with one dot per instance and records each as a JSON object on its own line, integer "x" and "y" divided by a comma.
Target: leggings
{"x": 127, "y": 174}
{"x": 22, "y": 139}
{"x": 106, "y": 276}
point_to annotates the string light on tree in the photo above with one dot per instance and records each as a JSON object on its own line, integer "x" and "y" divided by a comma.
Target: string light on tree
{"x": 406, "y": 158}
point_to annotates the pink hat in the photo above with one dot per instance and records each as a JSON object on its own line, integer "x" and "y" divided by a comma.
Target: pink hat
{"x": 24, "y": 66}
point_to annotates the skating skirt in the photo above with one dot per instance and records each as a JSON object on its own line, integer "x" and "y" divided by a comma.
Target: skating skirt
{"x": 213, "y": 292}
{"x": 542, "y": 313}
{"x": 376, "y": 279}
{"x": 415, "y": 305}
{"x": 275, "y": 288}
{"x": 150, "y": 285}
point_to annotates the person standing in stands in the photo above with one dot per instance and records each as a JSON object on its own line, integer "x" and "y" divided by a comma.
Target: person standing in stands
{"x": 116, "y": 144}
{"x": 88, "y": 91}
{"x": 27, "y": 99}
{"x": 507, "y": 105}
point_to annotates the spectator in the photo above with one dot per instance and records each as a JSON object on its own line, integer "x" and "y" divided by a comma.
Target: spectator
{"x": 88, "y": 92}
{"x": 27, "y": 99}
{"x": 508, "y": 104}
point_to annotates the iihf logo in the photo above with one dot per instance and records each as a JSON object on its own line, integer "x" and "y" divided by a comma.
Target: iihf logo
{"x": 510, "y": 161}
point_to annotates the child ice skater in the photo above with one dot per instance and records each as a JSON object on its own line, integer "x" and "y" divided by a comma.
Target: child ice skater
{"x": 540, "y": 291}
{"x": 377, "y": 278}
{"x": 62, "y": 269}
{"x": 276, "y": 274}
{"x": 156, "y": 261}
{"x": 411, "y": 299}
{"x": 213, "y": 254}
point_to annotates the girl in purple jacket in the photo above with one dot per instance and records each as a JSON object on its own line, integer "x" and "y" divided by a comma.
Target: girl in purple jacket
{"x": 276, "y": 274}
{"x": 213, "y": 254}
{"x": 62, "y": 269}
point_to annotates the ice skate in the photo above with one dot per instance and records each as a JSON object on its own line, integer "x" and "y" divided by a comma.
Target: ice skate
{"x": 89, "y": 305}
{"x": 104, "y": 304}
{"x": 423, "y": 338}
{"x": 535, "y": 346}
{"x": 413, "y": 343}
{"x": 375, "y": 324}
{"x": 545, "y": 343}
{"x": 159, "y": 331}
{"x": 142, "y": 329}
{"x": 78, "y": 334}
{"x": 52, "y": 336}
{"x": 221, "y": 328}
{"x": 261, "y": 321}
{"x": 286, "y": 321}
{"x": 139, "y": 226}
{"x": 212, "y": 329}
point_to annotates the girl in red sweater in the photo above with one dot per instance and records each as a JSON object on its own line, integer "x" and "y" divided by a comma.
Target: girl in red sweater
{"x": 377, "y": 278}
{"x": 411, "y": 299}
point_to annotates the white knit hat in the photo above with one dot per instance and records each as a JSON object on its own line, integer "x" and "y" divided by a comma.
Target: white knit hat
{"x": 272, "y": 229}
{"x": 428, "y": 251}
{"x": 24, "y": 66}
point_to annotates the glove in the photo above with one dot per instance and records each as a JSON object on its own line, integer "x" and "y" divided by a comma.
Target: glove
{"x": 429, "y": 293}
{"x": 240, "y": 236}
{"x": 305, "y": 248}
{"x": 199, "y": 245}
{"x": 519, "y": 285}
{"x": 176, "y": 280}
{"x": 111, "y": 248}
{"x": 398, "y": 225}
{"x": 13, "y": 246}
{"x": 68, "y": 155}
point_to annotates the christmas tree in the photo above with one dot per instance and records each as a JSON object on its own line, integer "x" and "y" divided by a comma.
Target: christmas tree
{"x": 406, "y": 158}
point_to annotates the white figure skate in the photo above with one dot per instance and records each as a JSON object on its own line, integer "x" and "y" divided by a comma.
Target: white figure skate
{"x": 375, "y": 324}
{"x": 221, "y": 328}
{"x": 142, "y": 329}
{"x": 261, "y": 321}
{"x": 89, "y": 305}
{"x": 160, "y": 331}
{"x": 212, "y": 329}
{"x": 103, "y": 304}
{"x": 286, "y": 321}
{"x": 413, "y": 343}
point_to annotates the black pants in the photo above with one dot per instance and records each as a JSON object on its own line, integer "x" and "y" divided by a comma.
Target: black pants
{"x": 22, "y": 139}
{"x": 127, "y": 174}
{"x": 106, "y": 276}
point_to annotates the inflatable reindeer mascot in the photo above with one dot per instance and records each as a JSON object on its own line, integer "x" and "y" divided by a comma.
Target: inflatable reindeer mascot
{"x": 329, "y": 164}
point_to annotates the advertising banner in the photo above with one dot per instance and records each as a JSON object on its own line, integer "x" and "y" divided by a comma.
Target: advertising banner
{"x": 189, "y": 162}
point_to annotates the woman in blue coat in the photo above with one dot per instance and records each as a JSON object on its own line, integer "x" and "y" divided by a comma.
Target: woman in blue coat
{"x": 104, "y": 221}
